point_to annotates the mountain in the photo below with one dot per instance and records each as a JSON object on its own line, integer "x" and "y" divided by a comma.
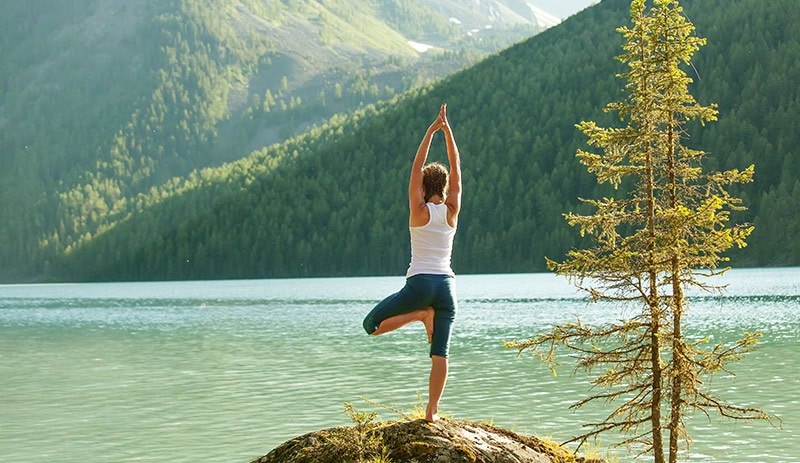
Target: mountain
{"x": 542, "y": 18}
{"x": 563, "y": 8}
{"x": 478, "y": 16}
{"x": 100, "y": 102}
{"x": 332, "y": 200}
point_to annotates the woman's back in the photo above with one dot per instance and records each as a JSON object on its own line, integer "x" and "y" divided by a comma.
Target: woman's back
{"x": 432, "y": 244}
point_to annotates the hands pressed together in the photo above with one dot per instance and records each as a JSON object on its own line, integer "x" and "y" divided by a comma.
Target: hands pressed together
{"x": 441, "y": 121}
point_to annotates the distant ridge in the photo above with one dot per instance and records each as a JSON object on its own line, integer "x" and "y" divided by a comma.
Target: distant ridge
{"x": 165, "y": 87}
{"x": 332, "y": 201}
{"x": 492, "y": 13}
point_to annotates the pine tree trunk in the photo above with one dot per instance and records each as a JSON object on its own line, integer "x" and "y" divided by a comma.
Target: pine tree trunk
{"x": 657, "y": 370}
{"x": 655, "y": 319}
{"x": 678, "y": 353}
{"x": 653, "y": 302}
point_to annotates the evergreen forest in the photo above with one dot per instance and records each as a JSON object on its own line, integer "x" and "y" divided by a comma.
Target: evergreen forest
{"x": 180, "y": 187}
{"x": 103, "y": 103}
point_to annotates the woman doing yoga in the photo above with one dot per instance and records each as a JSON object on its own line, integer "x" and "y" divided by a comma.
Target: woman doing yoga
{"x": 429, "y": 295}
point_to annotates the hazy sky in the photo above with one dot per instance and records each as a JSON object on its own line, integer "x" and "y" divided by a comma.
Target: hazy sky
{"x": 562, "y": 8}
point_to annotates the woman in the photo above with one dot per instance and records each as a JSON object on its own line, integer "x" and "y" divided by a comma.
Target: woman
{"x": 429, "y": 295}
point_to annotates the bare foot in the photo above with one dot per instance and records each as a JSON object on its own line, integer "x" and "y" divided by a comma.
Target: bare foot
{"x": 428, "y": 321}
{"x": 431, "y": 414}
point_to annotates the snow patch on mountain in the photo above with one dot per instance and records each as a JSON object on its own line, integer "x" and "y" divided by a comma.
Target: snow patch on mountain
{"x": 478, "y": 15}
{"x": 419, "y": 47}
{"x": 542, "y": 18}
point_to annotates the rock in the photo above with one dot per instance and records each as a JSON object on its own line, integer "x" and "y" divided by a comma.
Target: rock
{"x": 417, "y": 441}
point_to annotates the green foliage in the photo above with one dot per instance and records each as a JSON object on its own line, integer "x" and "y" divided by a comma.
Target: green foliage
{"x": 103, "y": 105}
{"x": 418, "y": 21}
{"x": 362, "y": 420}
{"x": 363, "y": 443}
{"x": 666, "y": 231}
{"x": 417, "y": 412}
{"x": 187, "y": 91}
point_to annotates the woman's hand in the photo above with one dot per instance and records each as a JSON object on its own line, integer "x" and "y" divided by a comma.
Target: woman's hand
{"x": 436, "y": 125}
{"x": 440, "y": 122}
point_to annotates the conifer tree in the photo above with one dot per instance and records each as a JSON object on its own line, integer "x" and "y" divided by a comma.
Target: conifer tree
{"x": 667, "y": 232}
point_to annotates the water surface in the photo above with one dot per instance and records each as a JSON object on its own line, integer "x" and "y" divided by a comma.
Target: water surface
{"x": 227, "y": 370}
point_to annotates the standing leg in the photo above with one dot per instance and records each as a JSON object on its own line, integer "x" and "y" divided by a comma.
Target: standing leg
{"x": 444, "y": 316}
{"x": 436, "y": 384}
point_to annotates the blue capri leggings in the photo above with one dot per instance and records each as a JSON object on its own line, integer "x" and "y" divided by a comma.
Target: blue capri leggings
{"x": 421, "y": 291}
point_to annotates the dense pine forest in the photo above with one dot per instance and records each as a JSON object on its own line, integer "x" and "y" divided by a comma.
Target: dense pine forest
{"x": 100, "y": 102}
{"x": 332, "y": 200}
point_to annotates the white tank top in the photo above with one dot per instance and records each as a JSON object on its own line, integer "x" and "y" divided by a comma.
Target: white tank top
{"x": 432, "y": 244}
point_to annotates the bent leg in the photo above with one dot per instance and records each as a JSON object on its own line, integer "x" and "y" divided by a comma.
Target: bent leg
{"x": 410, "y": 304}
{"x": 392, "y": 323}
{"x": 436, "y": 384}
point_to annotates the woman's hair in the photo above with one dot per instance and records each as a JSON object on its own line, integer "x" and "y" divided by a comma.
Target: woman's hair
{"x": 434, "y": 180}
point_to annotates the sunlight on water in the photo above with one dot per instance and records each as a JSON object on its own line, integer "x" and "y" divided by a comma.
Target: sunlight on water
{"x": 225, "y": 371}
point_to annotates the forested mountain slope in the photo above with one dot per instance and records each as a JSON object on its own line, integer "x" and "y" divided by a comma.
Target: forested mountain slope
{"x": 333, "y": 201}
{"x": 100, "y": 101}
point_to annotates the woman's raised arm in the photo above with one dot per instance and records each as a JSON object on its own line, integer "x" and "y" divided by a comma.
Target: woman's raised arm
{"x": 416, "y": 192}
{"x": 453, "y": 200}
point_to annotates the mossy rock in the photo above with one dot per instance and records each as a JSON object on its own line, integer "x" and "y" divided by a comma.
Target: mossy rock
{"x": 417, "y": 441}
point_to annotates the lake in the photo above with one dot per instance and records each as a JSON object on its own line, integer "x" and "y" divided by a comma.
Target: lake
{"x": 224, "y": 371}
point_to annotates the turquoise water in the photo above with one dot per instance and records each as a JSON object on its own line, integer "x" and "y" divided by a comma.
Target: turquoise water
{"x": 224, "y": 371}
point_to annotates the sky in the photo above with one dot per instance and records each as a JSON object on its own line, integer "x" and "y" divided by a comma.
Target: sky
{"x": 562, "y": 8}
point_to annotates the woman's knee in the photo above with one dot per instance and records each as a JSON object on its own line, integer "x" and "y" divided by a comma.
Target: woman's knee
{"x": 369, "y": 324}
